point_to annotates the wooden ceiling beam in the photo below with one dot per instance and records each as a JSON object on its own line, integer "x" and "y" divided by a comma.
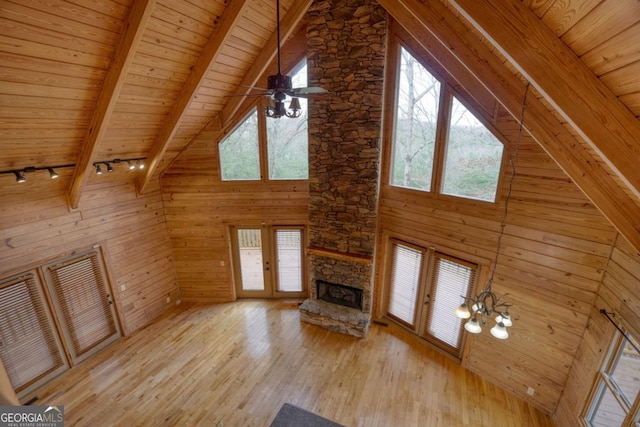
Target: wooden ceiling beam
{"x": 287, "y": 25}
{"x": 587, "y": 104}
{"x": 221, "y": 33}
{"x": 438, "y": 30}
{"x": 131, "y": 35}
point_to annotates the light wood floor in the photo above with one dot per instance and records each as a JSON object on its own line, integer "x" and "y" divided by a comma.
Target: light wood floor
{"x": 237, "y": 363}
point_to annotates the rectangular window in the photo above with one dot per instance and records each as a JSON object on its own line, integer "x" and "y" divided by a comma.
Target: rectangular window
{"x": 614, "y": 401}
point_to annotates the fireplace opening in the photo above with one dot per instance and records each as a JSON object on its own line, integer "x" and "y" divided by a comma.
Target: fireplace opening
{"x": 339, "y": 294}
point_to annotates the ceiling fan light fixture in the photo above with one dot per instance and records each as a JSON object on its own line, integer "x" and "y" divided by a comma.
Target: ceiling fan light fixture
{"x": 294, "y": 108}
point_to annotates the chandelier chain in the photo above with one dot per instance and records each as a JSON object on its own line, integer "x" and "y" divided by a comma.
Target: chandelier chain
{"x": 512, "y": 162}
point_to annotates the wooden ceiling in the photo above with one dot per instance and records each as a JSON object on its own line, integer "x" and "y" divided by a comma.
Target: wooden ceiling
{"x": 85, "y": 80}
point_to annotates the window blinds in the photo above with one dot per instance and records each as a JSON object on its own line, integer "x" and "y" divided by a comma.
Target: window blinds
{"x": 28, "y": 347}
{"x": 451, "y": 278}
{"x": 80, "y": 295}
{"x": 405, "y": 280}
{"x": 289, "y": 259}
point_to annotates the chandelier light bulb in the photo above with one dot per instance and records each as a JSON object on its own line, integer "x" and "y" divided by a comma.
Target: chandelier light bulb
{"x": 463, "y": 312}
{"x": 473, "y": 326}
{"x": 505, "y": 319}
{"x": 500, "y": 331}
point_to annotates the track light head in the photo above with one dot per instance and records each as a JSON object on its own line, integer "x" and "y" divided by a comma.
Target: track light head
{"x": 132, "y": 166}
{"x": 52, "y": 173}
{"x": 19, "y": 176}
{"x": 98, "y": 169}
{"x": 109, "y": 167}
{"x": 140, "y": 164}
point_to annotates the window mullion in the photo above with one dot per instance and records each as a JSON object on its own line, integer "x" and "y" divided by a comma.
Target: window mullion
{"x": 442, "y": 129}
{"x": 616, "y": 391}
{"x": 262, "y": 140}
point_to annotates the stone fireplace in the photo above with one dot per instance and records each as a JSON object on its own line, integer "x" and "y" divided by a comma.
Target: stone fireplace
{"x": 346, "y": 43}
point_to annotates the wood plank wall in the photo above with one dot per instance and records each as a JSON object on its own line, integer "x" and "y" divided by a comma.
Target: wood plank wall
{"x": 620, "y": 294}
{"x": 36, "y": 227}
{"x": 553, "y": 256}
{"x": 554, "y": 252}
{"x": 199, "y": 207}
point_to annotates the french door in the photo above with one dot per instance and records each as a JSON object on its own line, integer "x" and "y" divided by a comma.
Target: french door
{"x": 268, "y": 261}
{"x": 423, "y": 289}
{"x": 53, "y": 317}
{"x": 82, "y": 300}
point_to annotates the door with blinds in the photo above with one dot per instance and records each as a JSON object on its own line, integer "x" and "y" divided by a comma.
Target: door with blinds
{"x": 82, "y": 300}
{"x": 30, "y": 348}
{"x": 268, "y": 261}
{"x": 423, "y": 289}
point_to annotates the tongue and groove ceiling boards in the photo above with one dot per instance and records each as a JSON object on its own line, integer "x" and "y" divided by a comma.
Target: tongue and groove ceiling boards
{"x": 85, "y": 80}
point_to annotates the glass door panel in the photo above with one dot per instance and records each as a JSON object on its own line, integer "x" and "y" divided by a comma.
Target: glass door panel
{"x": 249, "y": 241}
{"x": 82, "y": 298}
{"x": 406, "y": 267}
{"x": 450, "y": 278}
{"x": 288, "y": 244}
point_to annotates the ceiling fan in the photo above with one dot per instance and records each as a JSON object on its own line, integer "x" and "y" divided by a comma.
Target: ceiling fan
{"x": 279, "y": 86}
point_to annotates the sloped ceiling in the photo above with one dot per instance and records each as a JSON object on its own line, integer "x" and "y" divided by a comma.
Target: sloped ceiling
{"x": 83, "y": 81}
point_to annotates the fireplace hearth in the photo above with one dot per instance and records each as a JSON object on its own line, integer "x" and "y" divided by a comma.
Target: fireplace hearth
{"x": 339, "y": 294}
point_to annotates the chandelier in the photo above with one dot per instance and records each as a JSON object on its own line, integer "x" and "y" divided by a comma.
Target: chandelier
{"x": 486, "y": 303}
{"x": 277, "y": 109}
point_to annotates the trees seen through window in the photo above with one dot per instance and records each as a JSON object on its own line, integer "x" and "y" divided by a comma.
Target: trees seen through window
{"x": 469, "y": 165}
{"x": 286, "y": 139}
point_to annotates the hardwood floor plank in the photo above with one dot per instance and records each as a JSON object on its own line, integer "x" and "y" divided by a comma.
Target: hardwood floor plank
{"x": 237, "y": 363}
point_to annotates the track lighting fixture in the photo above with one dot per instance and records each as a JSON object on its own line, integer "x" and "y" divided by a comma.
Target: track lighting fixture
{"x": 132, "y": 164}
{"x": 20, "y": 173}
{"x": 52, "y": 173}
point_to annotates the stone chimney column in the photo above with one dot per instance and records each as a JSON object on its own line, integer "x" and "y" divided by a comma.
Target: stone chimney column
{"x": 346, "y": 45}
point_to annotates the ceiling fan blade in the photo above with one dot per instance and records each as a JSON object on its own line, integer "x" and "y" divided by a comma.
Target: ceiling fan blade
{"x": 312, "y": 90}
{"x": 266, "y": 93}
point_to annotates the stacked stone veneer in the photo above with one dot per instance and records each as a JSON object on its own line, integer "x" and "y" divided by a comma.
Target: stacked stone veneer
{"x": 346, "y": 44}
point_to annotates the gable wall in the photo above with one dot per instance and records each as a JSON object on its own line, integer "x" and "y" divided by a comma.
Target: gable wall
{"x": 199, "y": 208}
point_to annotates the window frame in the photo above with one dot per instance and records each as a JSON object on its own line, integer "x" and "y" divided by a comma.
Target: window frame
{"x": 603, "y": 381}
{"x": 447, "y": 92}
